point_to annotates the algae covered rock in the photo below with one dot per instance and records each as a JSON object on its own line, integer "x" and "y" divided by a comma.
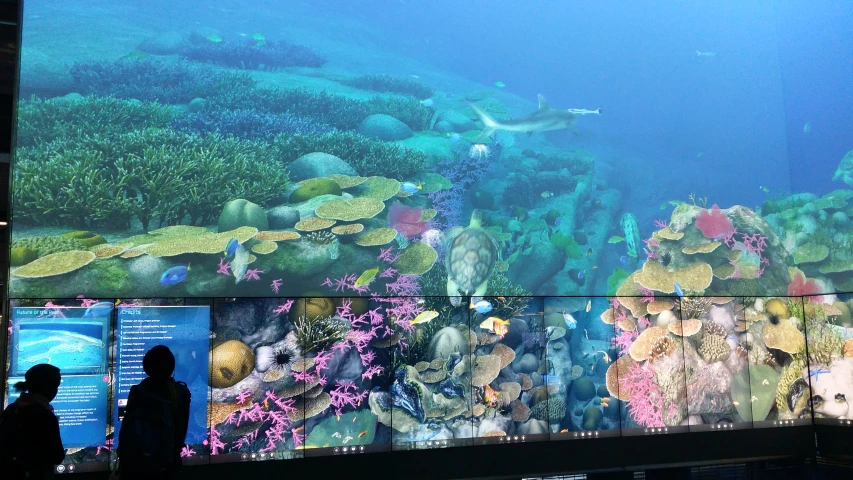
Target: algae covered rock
{"x": 583, "y": 388}
{"x": 86, "y": 238}
{"x": 446, "y": 341}
{"x": 282, "y": 216}
{"x": 318, "y": 164}
{"x": 166, "y": 43}
{"x": 454, "y": 121}
{"x": 591, "y": 418}
{"x": 241, "y": 213}
{"x": 384, "y": 127}
{"x": 46, "y": 245}
{"x": 230, "y": 362}
{"x": 22, "y": 255}
{"x": 44, "y": 75}
{"x": 314, "y": 188}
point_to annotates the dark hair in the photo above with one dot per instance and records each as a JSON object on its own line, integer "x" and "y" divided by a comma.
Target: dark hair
{"x": 41, "y": 378}
{"x": 159, "y": 362}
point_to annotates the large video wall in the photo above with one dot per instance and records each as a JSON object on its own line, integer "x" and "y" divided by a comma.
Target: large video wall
{"x": 287, "y": 378}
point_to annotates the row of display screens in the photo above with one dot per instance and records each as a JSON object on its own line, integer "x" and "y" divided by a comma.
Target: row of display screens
{"x": 286, "y": 378}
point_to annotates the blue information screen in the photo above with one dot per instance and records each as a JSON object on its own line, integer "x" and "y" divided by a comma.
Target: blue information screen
{"x": 74, "y": 339}
{"x": 186, "y": 331}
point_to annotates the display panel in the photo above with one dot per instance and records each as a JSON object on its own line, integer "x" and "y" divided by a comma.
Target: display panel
{"x": 74, "y": 339}
{"x": 183, "y": 327}
{"x": 260, "y": 374}
{"x": 649, "y": 374}
{"x": 718, "y": 373}
{"x": 825, "y": 387}
{"x": 580, "y": 361}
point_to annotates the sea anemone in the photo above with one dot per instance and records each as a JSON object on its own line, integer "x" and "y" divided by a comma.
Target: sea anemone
{"x": 276, "y": 359}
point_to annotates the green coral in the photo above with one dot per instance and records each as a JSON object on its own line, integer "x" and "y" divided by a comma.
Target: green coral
{"x": 317, "y": 333}
{"x": 417, "y": 259}
{"x": 47, "y": 245}
{"x": 21, "y": 256}
{"x": 333, "y": 431}
{"x": 86, "y": 238}
{"x": 389, "y": 84}
{"x": 567, "y": 244}
{"x": 755, "y": 392}
{"x": 49, "y": 120}
{"x": 314, "y": 188}
{"x": 368, "y": 157}
{"x": 151, "y": 175}
{"x": 614, "y": 281}
{"x": 823, "y": 341}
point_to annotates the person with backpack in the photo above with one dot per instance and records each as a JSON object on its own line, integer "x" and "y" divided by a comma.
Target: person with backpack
{"x": 30, "y": 444}
{"x": 155, "y": 422}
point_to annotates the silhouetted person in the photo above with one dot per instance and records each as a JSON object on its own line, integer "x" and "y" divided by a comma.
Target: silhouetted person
{"x": 155, "y": 421}
{"x": 29, "y": 431}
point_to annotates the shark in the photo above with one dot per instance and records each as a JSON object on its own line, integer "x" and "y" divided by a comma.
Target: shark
{"x": 543, "y": 119}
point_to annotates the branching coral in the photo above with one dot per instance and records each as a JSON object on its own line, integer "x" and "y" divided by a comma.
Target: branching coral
{"x": 368, "y": 157}
{"x": 251, "y": 53}
{"x": 42, "y": 121}
{"x": 694, "y": 307}
{"x": 318, "y": 333}
{"x": 248, "y": 123}
{"x": 152, "y": 79}
{"x": 823, "y": 343}
{"x": 152, "y": 175}
{"x": 389, "y": 84}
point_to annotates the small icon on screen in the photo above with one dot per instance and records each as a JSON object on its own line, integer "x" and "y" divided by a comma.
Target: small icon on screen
{"x": 122, "y": 402}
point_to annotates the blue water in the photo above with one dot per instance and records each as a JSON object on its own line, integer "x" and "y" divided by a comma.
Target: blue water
{"x": 69, "y": 351}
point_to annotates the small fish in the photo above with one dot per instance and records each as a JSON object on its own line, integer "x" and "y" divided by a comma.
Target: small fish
{"x": 550, "y": 379}
{"x": 501, "y": 330}
{"x": 214, "y": 38}
{"x": 500, "y": 84}
{"x": 424, "y": 317}
{"x": 615, "y": 239}
{"x": 753, "y": 399}
{"x": 410, "y": 187}
{"x": 99, "y": 309}
{"x": 699, "y": 155}
{"x": 664, "y": 206}
{"x": 346, "y": 439}
{"x": 736, "y": 403}
{"x": 489, "y": 323}
{"x": 605, "y": 399}
{"x": 266, "y": 404}
{"x": 338, "y": 417}
{"x": 354, "y": 418}
{"x": 490, "y": 396}
{"x": 764, "y": 189}
{"x": 336, "y": 435}
{"x": 580, "y": 275}
{"x": 297, "y": 430}
{"x": 565, "y": 430}
{"x": 258, "y": 36}
{"x": 807, "y": 128}
{"x": 558, "y": 221}
{"x": 414, "y": 76}
{"x": 588, "y": 305}
{"x": 427, "y": 102}
{"x": 454, "y": 137}
{"x": 623, "y": 259}
{"x": 588, "y": 252}
{"x": 583, "y": 111}
{"x": 705, "y": 54}
{"x": 231, "y": 248}
{"x": 483, "y": 306}
{"x": 678, "y": 290}
{"x": 503, "y": 299}
{"x": 261, "y": 43}
{"x": 365, "y": 278}
{"x": 362, "y": 434}
{"x": 597, "y": 202}
{"x": 174, "y": 275}
{"x": 595, "y": 267}
{"x": 571, "y": 323}
{"x": 765, "y": 382}
{"x": 547, "y": 194}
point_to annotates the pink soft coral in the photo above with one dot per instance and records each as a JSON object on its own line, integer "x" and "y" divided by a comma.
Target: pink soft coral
{"x": 406, "y": 220}
{"x": 715, "y": 224}
{"x": 801, "y": 286}
{"x": 645, "y": 397}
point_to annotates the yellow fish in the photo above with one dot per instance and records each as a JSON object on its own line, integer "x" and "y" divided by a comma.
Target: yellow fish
{"x": 565, "y": 430}
{"x": 489, "y": 323}
{"x": 547, "y": 194}
{"x": 425, "y": 317}
{"x": 362, "y": 434}
{"x": 365, "y": 278}
{"x": 588, "y": 305}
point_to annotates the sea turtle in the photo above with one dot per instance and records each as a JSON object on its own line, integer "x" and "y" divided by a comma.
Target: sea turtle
{"x": 470, "y": 259}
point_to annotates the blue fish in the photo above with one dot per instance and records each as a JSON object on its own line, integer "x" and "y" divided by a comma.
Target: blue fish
{"x": 550, "y": 379}
{"x": 428, "y": 102}
{"x": 409, "y": 187}
{"x": 455, "y": 137}
{"x": 100, "y": 309}
{"x": 558, "y": 221}
{"x": 173, "y": 275}
{"x": 483, "y": 306}
{"x": 231, "y": 248}
{"x": 678, "y": 290}
{"x": 623, "y": 259}
{"x": 580, "y": 275}
{"x": 571, "y": 323}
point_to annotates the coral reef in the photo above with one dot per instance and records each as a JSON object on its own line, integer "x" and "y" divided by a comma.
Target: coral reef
{"x": 389, "y": 84}
{"x": 251, "y": 53}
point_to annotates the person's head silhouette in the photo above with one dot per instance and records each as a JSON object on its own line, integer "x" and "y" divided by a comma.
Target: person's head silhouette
{"x": 159, "y": 363}
{"x": 41, "y": 379}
